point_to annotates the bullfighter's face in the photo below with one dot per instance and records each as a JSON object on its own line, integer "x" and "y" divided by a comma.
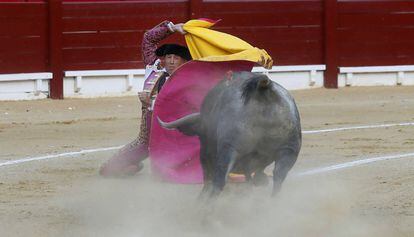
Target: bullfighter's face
{"x": 172, "y": 62}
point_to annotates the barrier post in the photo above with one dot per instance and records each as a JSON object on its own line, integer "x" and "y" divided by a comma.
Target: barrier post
{"x": 331, "y": 43}
{"x": 55, "y": 48}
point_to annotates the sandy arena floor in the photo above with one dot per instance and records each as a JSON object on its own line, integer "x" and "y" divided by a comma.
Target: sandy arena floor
{"x": 65, "y": 196}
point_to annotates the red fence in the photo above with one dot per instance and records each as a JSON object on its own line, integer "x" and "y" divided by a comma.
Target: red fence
{"x": 53, "y": 36}
{"x": 375, "y": 33}
{"x": 108, "y": 35}
{"x": 291, "y": 31}
{"x": 23, "y": 38}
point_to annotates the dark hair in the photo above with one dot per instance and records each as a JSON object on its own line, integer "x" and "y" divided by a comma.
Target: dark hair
{"x": 176, "y": 49}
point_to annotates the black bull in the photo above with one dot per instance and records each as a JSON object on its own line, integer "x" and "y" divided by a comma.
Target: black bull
{"x": 246, "y": 123}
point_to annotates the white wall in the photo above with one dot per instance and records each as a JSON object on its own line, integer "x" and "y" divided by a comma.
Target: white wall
{"x": 290, "y": 77}
{"x": 376, "y": 79}
{"x": 95, "y": 86}
{"x": 297, "y": 80}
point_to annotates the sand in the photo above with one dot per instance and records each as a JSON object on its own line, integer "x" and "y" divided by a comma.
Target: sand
{"x": 67, "y": 197}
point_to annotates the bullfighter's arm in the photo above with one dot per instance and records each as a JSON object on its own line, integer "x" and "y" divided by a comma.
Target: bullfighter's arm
{"x": 152, "y": 38}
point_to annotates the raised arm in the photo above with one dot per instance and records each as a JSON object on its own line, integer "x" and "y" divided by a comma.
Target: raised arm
{"x": 154, "y": 36}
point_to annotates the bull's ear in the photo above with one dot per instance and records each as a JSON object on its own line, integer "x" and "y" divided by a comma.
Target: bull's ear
{"x": 188, "y": 125}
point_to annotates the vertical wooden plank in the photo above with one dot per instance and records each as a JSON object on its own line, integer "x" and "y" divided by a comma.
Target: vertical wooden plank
{"x": 196, "y": 9}
{"x": 55, "y": 48}
{"x": 331, "y": 44}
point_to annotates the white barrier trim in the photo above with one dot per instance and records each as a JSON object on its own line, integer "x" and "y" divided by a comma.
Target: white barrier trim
{"x": 311, "y": 69}
{"x": 293, "y": 68}
{"x": 38, "y": 77}
{"x": 397, "y": 68}
{"x": 129, "y": 73}
{"x": 26, "y": 76}
{"x": 120, "y": 72}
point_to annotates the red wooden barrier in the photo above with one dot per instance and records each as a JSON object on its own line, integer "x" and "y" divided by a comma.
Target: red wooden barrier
{"x": 23, "y": 37}
{"x": 375, "y": 33}
{"x": 291, "y": 31}
{"x": 107, "y": 34}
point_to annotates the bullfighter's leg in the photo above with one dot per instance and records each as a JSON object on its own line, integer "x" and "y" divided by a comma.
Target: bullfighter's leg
{"x": 286, "y": 158}
{"x": 226, "y": 156}
{"x": 128, "y": 161}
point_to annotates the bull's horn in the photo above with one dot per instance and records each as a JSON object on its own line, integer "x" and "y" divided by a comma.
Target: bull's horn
{"x": 164, "y": 124}
{"x": 189, "y": 119}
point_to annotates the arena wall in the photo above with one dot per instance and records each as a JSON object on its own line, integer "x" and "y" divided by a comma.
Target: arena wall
{"x": 77, "y": 35}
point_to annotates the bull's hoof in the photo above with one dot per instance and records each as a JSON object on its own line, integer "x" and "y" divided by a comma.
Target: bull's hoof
{"x": 260, "y": 179}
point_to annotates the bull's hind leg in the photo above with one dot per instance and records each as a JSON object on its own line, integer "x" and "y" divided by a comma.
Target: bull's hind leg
{"x": 260, "y": 178}
{"x": 286, "y": 158}
{"x": 206, "y": 165}
{"x": 224, "y": 162}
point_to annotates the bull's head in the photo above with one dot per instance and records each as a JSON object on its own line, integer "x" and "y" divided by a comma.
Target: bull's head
{"x": 188, "y": 125}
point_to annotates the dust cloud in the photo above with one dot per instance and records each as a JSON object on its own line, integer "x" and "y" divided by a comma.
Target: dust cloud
{"x": 141, "y": 206}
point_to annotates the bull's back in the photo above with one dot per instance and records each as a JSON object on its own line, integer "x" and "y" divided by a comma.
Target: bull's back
{"x": 258, "y": 121}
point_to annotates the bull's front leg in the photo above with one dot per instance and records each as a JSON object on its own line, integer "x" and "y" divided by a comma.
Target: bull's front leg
{"x": 223, "y": 163}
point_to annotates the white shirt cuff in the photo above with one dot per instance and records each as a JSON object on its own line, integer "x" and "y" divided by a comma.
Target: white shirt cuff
{"x": 170, "y": 26}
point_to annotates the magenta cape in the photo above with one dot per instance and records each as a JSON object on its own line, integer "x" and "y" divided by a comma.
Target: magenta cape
{"x": 174, "y": 156}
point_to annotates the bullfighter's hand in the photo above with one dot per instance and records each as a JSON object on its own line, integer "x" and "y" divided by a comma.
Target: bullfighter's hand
{"x": 179, "y": 28}
{"x": 144, "y": 97}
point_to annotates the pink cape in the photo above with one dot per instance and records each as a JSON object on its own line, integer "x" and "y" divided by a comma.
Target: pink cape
{"x": 174, "y": 156}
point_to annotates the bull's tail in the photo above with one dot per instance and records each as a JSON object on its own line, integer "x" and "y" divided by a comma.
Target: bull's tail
{"x": 258, "y": 84}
